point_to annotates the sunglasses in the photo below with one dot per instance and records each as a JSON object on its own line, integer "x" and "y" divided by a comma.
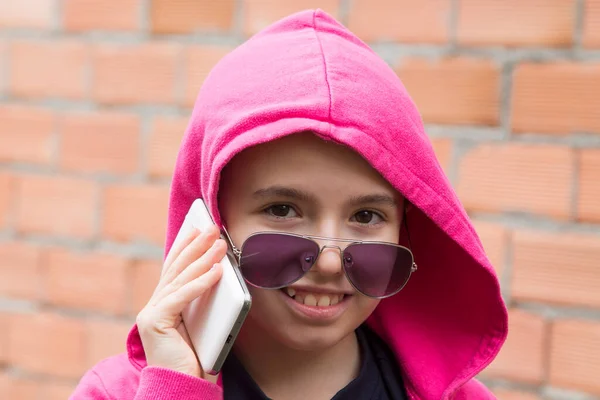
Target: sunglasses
{"x": 273, "y": 260}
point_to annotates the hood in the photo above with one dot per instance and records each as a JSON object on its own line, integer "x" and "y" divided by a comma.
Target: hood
{"x": 309, "y": 73}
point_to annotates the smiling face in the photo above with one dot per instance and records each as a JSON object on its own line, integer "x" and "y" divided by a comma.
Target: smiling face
{"x": 303, "y": 185}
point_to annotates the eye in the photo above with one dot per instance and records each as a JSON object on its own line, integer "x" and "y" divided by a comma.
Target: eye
{"x": 281, "y": 211}
{"x": 367, "y": 217}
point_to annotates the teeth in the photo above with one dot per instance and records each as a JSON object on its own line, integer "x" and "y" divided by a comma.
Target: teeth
{"x": 324, "y": 301}
{"x": 310, "y": 300}
{"x": 319, "y": 300}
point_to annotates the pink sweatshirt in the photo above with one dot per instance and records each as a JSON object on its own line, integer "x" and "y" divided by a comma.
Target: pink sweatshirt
{"x": 307, "y": 72}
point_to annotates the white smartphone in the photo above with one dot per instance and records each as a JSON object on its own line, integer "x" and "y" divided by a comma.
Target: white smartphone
{"x": 213, "y": 326}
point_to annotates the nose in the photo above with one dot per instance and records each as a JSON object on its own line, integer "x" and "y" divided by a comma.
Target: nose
{"x": 329, "y": 261}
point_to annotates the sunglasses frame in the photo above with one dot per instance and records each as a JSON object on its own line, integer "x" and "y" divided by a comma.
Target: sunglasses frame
{"x": 238, "y": 254}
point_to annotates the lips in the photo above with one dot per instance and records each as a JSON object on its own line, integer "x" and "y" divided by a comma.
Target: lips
{"x": 314, "y": 299}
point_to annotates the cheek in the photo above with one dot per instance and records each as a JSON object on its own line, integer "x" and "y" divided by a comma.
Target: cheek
{"x": 365, "y": 305}
{"x": 265, "y": 304}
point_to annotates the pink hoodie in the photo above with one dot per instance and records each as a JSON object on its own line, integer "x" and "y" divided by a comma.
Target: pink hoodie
{"x": 308, "y": 73}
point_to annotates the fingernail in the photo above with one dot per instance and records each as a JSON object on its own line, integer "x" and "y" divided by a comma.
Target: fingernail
{"x": 213, "y": 267}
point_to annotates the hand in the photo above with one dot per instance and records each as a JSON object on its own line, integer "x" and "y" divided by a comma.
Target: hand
{"x": 189, "y": 272}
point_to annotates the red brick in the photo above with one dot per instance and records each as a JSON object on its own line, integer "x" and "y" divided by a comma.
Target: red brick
{"x": 47, "y": 344}
{"x": 55, "y": 206}
{"x": 258, "y": 14}
{"x": 588, "y": 206}
{"x": 4, "y": 385}
{"x": 129, "y": 74}
{"x": 27, "y": 388}
{"x": 22, "y": 388}
{"x": 443, "y": 151}
{"x": 57, "y": 390}
{"x": 199, "y": 60}
{"x": 137, "y": 212}
{"x": 575, "y": 355}
{"x": 146, "y": 274}
{"x": 6, "y": 199}
{"x": 453, "y": 90}
{"x": 536, "y": 23}
{"x": 3, "y": 65}
{"x": 91, "y": 281}
{"x": 5, "y": 321}
{"x": 19, "y": 271}
{"x": 185, "y": 16}
{"x": 591, "y": 30}
{"x": 165, "y": 139}
{"x": 43, "y": 69}
{"x": 424, "y": 21}
{"x": 517, "y": 177}
{"x": 26, "y": 134}
{"x": 100, "y": 142}
{"x": 89, "y": 15}
{"x": 557, "y": 268}
{"x": 495, "y": 239}
{"x": 105, "y": 339}
{"x": 27, "y": 14}
{"x": 506, "y": 394}
{"x": 558, "y": 98}
{"x": 522, "y": 356}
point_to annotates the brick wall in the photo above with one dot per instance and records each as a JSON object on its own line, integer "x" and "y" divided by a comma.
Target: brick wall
{"x": 94, "y": 98}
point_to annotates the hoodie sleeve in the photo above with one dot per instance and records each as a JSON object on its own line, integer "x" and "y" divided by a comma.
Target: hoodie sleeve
{"x": 165, "y": 384}
{"x": 154, "y": 384}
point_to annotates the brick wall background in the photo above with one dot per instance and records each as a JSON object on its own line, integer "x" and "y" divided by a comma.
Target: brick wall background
{"x": 95, "y": 96}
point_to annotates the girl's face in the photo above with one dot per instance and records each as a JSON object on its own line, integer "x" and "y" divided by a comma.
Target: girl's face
{"x": 302, "y": 184}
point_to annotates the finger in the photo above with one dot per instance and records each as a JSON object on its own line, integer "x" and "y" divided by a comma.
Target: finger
{"x": 194, "y": 270}
{"x": 192, "y": 252}
{"x": 175, "y": 302}
{"x": 177, "y": 248}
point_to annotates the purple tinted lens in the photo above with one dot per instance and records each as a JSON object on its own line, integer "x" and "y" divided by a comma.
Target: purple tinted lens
{"x": 377, "y": 269}
{"x": 272, "y": 260}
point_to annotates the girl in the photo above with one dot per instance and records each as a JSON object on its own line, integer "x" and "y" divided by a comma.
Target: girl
{"x": 302, "y": 137}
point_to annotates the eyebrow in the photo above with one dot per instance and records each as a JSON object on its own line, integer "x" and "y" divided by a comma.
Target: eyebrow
{"x": 300, "y": 195}
{"x": 379, "y": 199}
{"x": 283, "y": 191}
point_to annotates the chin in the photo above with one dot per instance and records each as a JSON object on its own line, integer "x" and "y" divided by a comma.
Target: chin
{"x": 308, "y": 338}
{"x": 302, "y": 337}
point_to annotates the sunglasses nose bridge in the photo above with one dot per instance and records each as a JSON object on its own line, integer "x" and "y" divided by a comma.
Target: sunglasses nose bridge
{"x": 331, "y": 246}
{"x": 340, "y": 251}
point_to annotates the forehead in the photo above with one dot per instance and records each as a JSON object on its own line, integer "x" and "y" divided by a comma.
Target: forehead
{"x": 305, "y": 161}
